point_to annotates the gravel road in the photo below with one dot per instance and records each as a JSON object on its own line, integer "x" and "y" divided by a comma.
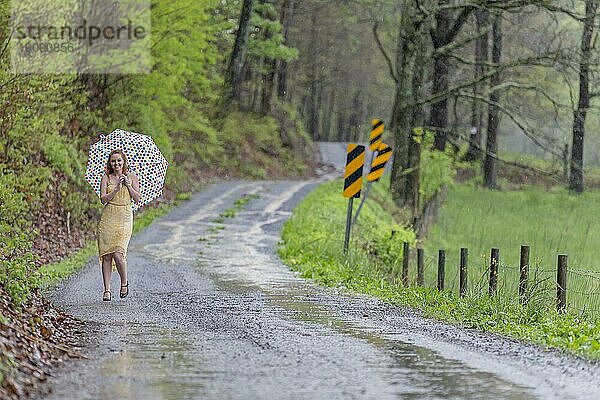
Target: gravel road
{"x": 213, "y": 314}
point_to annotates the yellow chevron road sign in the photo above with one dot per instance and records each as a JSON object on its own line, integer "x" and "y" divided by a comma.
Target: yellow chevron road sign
{"x": 376, "y": 133}
{"x": 384, "y": 152}
{"x": 355, "y": 160}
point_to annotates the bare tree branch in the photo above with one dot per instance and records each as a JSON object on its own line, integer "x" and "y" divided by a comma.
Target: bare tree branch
{"x": 498, "y": 68}
{"x": 450, "y": 47}
{"x": 569, "y": 12}
{"x": 516, "y": 85}
{"x": 527, "y": 131}
{"x": 459, "y": 21}
{"x": 550, "y": 174}
{"x": 382, "y": 49}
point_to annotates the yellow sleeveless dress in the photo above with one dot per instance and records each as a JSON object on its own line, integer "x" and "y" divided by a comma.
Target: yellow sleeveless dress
{"x": 116, "y": 224}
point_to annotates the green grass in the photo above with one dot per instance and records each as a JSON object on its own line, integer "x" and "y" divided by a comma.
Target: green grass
{"x": 144, "y": 219}
{"x": 53, "y": 273}
{"x": 591, "y": 173}
{"x": 314, "y": 238}
{"x": 238, "y": 205}
{"x": 551, "y": 223}
{"x": 183, "y": 196}
{"x": 215, "y": 228}
{"x": 312, "y": 244}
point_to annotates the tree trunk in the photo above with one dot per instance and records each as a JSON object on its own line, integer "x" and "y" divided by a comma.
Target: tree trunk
{"x": 233, "y": 78}
{"x": 354, "y": 120}
{"x": 414, "y": 146}
{"x": 328, "y": 116}
{"x": 313, "y": 116}
{"x": 444, "y": 33}
{"x": 342, "y": 131}
{"x": 398, "y": 120}
{"x": 490, "y": 170}
{"x": 481, "y": 57}
{"x": 324, "y": 94}
{"x": 269, "y": 88}
{"x": 439, "y": 111}
{"x": 270, "y": 75}
{"x": 304, "y": 106}
{"x": 245, "y": 99}
{"x": 404, "y": 185}
{"x": 287, "y": 13}
{"x": 258, "y": 82}
{"x": 313, "y": 110}
{"x": 579, "y": 115}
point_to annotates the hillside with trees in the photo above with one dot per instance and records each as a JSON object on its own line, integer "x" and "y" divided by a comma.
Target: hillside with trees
{"x": 503, "y": 90}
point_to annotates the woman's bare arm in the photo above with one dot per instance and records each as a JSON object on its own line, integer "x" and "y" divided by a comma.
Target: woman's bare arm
{"x": 105, "y": 197}
{"x": 133, "y": 185}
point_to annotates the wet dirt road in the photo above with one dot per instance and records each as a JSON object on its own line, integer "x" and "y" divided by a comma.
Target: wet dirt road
{"x": 213, "y": 314}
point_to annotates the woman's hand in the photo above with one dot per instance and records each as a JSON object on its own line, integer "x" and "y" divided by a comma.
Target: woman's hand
{"x": 124, "y": 179}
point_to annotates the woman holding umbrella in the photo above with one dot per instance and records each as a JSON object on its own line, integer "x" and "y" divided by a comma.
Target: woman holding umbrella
{"x": 118, "y": 188}
{"x": 119, "y": 181}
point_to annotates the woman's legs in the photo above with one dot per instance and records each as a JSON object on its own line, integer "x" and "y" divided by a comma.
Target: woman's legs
{"x": 122, "y": 269}
{"x": 107, "y": 270}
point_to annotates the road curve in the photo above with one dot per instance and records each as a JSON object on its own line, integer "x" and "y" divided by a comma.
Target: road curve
{"x": 213, "y": 314}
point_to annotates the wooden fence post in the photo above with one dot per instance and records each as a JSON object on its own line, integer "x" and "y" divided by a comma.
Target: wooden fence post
{"x": 561, "y": 283}
{"x": 405, "y": 264}
{"x": 524, "y": 273}
{"x": 420, "y": 267}
{"x": 464, "y": 254}
{"x": 494, "y": 262}
{"x": 441, "y": 269}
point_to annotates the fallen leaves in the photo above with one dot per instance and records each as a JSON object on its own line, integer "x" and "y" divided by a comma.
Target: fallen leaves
{"x": 33, "y": 340}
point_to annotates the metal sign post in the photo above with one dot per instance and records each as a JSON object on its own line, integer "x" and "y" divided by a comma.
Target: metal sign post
{"x": 348, "y": 225}
{"x": 355, "y": 160}
{"x": 362, "y": 201}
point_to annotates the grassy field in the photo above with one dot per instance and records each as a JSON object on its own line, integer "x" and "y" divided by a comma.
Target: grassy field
{"x": 313, "y": 241}
{"x": 551, "y": 223}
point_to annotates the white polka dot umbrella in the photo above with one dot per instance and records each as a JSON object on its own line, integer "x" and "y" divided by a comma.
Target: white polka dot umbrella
{"x": 143, "y": 157}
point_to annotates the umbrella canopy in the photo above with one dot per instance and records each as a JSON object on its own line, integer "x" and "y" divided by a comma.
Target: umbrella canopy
{"x": 143, "y": 157}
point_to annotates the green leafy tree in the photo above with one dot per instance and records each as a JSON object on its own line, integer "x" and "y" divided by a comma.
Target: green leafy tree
{"x": 172, "y": 103}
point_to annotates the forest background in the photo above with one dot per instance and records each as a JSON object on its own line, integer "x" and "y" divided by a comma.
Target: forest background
{"x": 501, "y": 94}
{"x": 495, "y": 82}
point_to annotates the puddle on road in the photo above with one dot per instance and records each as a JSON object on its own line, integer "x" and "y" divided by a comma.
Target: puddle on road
{"x": 418, "y": 372}
{"x": 158, "y": 364}
{"x": 243, "y": 262}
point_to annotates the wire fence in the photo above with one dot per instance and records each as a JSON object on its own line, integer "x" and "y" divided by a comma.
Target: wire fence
{"x": 573, "y": 290}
